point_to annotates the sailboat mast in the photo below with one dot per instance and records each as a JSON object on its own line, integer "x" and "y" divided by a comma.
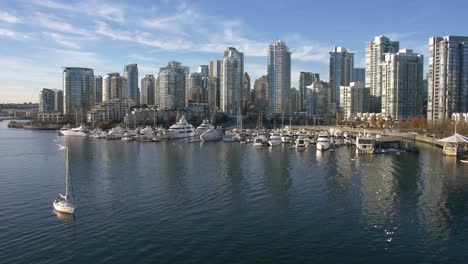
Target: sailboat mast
{"x": 66, "y": 173}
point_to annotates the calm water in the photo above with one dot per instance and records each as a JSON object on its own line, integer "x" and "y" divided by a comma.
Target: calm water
{"x": 174, "y": 202}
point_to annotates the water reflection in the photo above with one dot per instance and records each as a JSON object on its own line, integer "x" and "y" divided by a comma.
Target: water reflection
{"x": 64, "y": 218}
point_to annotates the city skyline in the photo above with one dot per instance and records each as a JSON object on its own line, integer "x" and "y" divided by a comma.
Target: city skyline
{"x": 42, "y": 37}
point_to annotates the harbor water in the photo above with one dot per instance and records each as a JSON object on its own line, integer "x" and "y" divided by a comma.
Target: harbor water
{"x": 175, "y": 202}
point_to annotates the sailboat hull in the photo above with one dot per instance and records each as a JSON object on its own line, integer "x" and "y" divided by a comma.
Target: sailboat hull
{"x": 63, "y": 207}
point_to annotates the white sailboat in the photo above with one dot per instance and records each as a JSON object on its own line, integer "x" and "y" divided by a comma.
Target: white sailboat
{"x": 62, "y": 204}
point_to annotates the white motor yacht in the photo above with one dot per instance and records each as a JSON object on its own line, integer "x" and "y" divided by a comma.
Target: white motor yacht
{"x": 80, "y": 131}
{"x": 211, "y": 134}
{"x": 365, "y": 144}
{"x": 275, "y": 140}
{"x": 347, "y": 138}
{"x": 130, "y": 135}
{"x": 181, "y": 129}
{"x": 323, "y": 141}
{"x": 115, "y": 133}
{"x": 146, "y": 134}
{"x": 302, "y": 143}
{"x": 205, "y": 126}
{"x": 259, "y": 141}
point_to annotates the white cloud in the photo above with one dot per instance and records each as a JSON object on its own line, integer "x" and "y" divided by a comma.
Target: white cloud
{"x": 399, "y": 35}
{"x": 107, "y": 10}
{"x": 7, "y": 33}
{"x": 9, "y": 18}
{"x": 57, "y": 24}
{"x": 312, "y": 52}
{"x": 77, "y": 58}
{"x": 61, "y": 40}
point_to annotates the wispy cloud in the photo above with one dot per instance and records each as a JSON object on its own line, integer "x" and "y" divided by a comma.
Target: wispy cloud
{"x": 83, "y": 58}
{"x": 107, "y": 10}
{"x": 7, "y": 33}
{"x": 311, "y": 53}
{"x": 400, "y": 35}
{"x": 61, "y": 40}
{"x": 9, "y": 18}
{"x": 54, "y": 23}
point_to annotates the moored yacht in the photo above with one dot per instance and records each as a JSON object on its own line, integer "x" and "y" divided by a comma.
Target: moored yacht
{"x": 80, "y": 131}
{"x": 205, "y": 126}
{"x": 260, "y": 141}
{"x": 323, "y": 141}
{"x": 115, "y": 133}
{"x": 211, "y": 134}
{"x": 274, "y": 140}
{"x": 347, "y": 138}
{"x": 181, "y": 129}
{"x": 130, "y": 135}
{"x": 302, "y": 143}
{"x": 365, "y": 144}
{"x": 146, "y": 134}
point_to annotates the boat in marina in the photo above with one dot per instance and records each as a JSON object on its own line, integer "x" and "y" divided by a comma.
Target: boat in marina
{"x": 62, "y": 203}
{"x": 365, "y": 144}
{"x": 205, "y": 126}
{"x": 130, "y": 135}
{"x": 347, "y": 138}
{"x": 287, "y": 137}
{"x": 145, "y": 135}
{"x": 159, "y": 135}
{"x": 260, "y": 141}
{"x": 274, "y": 140}
{"x": 80, "y": 131}
{"x": 181, "y": 129}
{"x": 323, "y": 141}
{"x": 115, "y": 133}
{"x": 211, "y": 134}
{"x": 302, "y": 143}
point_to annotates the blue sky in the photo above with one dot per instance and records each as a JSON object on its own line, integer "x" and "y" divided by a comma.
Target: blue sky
{"x": 37, "y": 38}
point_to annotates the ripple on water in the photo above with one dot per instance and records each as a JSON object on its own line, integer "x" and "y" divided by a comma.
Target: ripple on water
{"x": 227, "y": 203}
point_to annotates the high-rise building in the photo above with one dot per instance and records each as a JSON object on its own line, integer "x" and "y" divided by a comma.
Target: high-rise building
{"x": 305, "y": 79}
{"x": 354, "y": 99}
{"x": 203, "y": 70}
{"x": 279, "y": 77}
{"x": 402, "y": 85}
{"x": 447, "y": 77}
{"x": 374, "y": 57}
{"x": 58, "y": 100}
{"x": 215, "y": 72}
{"x": 341, "y": 71}
{"x": 213, "y": 92}
{"x": 245, "y": 93}
{"x": 131, "y": 73}
{"x": 318, "y": 100}
{"x": 294, "y": 100}
{"x": 78, "y": 88}
{"x": 195, "y": 82}
{"x": 46, "y": 100}
{"x": 171, "y": 86}
{"x": 359, "y": 75}
{"x": 261, "y": 93}
{"x": 232, "y": 71}
{"x": 148, "y": 86}
{"x": 215, "y": 68}
{"x": 98, "y": 88}
{"x": 114, "y": 86}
